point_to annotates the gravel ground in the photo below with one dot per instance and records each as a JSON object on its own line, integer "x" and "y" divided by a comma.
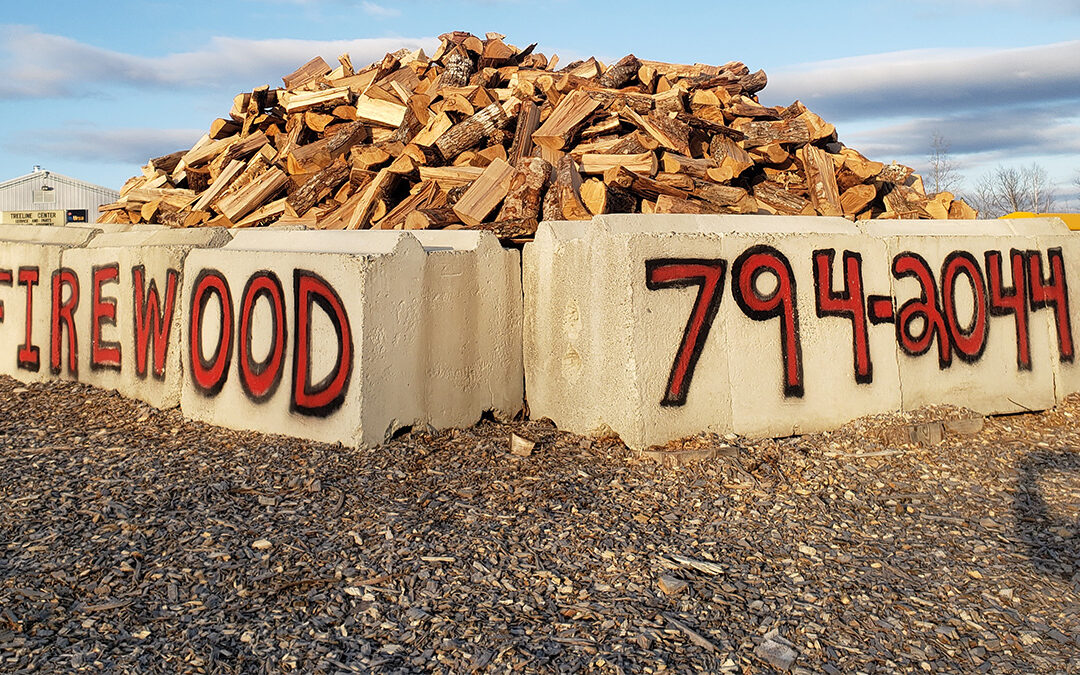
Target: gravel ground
{"x": 132, "y": 540}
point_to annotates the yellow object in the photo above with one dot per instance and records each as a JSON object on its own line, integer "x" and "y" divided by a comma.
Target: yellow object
{"x": 1071, "y": 219}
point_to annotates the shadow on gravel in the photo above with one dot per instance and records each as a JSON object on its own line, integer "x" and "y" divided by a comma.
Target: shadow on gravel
{"x": 1050, "y": 535}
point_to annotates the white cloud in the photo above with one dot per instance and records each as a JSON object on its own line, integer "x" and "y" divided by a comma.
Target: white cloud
{"x": 90, "y": 142}
{"x": 1025, "y": 130}
{"x": 42, "y": 65}
{"x": 931, "y": 81}
{"x": 1005, "y": 106}
{"x": 379, "y": 11}
{"x": 980, "y": 140}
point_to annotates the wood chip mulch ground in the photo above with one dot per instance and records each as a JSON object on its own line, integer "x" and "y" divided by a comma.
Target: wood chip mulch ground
{"x": 132, "y": 540}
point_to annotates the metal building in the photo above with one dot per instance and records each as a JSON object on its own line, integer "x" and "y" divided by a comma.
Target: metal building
{"x": 51, "y": 198}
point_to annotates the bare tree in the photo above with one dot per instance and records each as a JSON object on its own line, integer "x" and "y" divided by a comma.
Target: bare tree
{"x": 1007, "y": 189}
{"x": 944, "y": 175}
{"x": 1042, "y": 190}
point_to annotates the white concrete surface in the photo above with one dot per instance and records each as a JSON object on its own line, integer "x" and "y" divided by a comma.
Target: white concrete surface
{"x": 29, "y": 257}
{"x": 987, "y": 380}
{"x": 379, "y": 330}
{"x": 128, "y": 320}
{"x": 349, "y": 336}
{"x": 1055, "y": 240}
{"x": 600, "y": 346}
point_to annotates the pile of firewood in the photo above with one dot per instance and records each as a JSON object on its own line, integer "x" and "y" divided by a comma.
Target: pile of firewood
{"x": 486, "y": 135}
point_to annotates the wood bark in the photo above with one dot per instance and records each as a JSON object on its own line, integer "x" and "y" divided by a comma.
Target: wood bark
{"x": 633, "y": 144}
{"x": 523, "y": 228}
{"x": 459, "y": 68}
{"x": 621, "y": 73}
{"x": 778, "y": 199}
{"x": 318, "y": 155}
{"x": 524, "y": 196}
{"x": 765, "y": 132}
{"x": 725, "y": 198}
{"x": 639, "y": 184}
{"x": 431, "y": 219}
{"x": 527, "y": 122}
{"x": 667, "y": 132}
{"x": 166, "y": 163}
{"x": 903, "y": 202}
{"x": 472, "y": 130}
{"x": 318, "y": 186}
{"x": 820, "y": 175}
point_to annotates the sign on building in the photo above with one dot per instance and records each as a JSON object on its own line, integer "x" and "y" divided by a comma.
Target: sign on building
{"x": 32, "y": 217}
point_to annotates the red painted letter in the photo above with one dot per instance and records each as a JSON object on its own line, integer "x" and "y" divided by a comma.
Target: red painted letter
{"x": 780, "y": 303}
{"x": 322, "y": 398}
{"x": 29, "y": 354}
{"x": 103, "y": 311}
{"x": 924, "y": 307}
{"x": 1006, "y": 300}
{"x": 62, "y": 317}
{"x": 849, "y": 303}
{"x": 970, "y": 341}
{"x": 708, "y": 275}
{"x": 260, "y": 379}
{"x": 153, "y": 320}
{"x": 210, "y": 374}
{"x": 1052, "y": 293}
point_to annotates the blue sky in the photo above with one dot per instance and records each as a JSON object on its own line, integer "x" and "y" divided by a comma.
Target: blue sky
{"x": 93, "y": 89}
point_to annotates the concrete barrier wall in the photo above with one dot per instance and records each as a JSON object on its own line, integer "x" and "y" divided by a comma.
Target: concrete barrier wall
{"x": 990, "y": 354}
{"x": 32, "y": 333}
{"x": 1054, "y": 258}
{"x": 351, "y": 336}
{"x": 664, "y": 326}
{"x": 654, "y": 327}
{"x": 471, "y": 330}
{"x": 128, "y": 318}
{"x": 333, "y": 336}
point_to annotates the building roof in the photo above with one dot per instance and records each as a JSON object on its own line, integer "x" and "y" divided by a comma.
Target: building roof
{"x": 59, "y": 178}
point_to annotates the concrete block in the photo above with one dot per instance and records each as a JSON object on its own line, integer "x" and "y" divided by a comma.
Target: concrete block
{"x": 660, "y": 327}
{"x": 33, "y": 293}
{"x": 349, "y": 336}
{"x": 109, "y": 228}
{"x": 964, "y": 335}
{"x": 805, "y": 355}
{"x": 127, "y": 322}
{"x": 472, "y": 326}
{"x": 1056, "y": 258}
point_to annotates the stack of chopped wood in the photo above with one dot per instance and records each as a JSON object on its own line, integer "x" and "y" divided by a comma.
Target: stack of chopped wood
{"x": 486, "y": 135}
